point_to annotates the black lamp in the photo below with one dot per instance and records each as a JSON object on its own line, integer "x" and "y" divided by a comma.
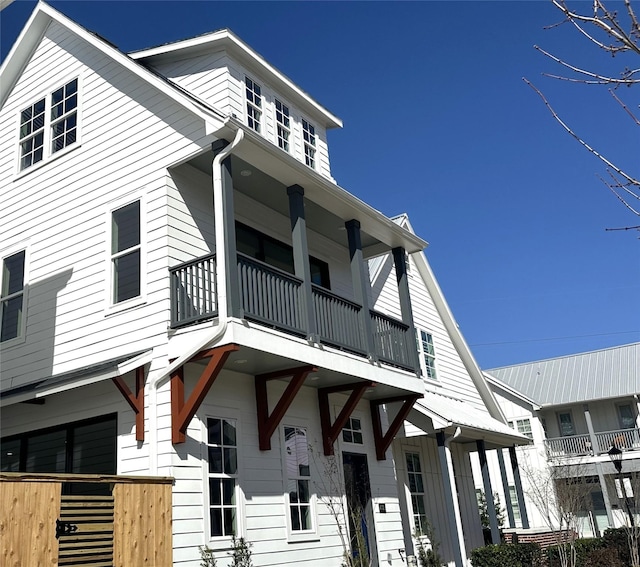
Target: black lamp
{"x": 615, "y": 455}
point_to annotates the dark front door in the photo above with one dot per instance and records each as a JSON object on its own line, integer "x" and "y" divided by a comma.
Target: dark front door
{"x": 359, "y": 508}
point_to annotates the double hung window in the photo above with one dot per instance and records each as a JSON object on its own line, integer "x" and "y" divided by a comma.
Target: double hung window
{"x": 12, "y": 296}
{"x": 126, "y": 252}
{"x": 49, "y": 125}
{"x": 428, "y": 355}
{"x": 254, "y": 104}
{"x": 416, "y": 488}
{"x": 522, "y": 426}
{"x": 298, "y": 478}
{"x": 283, "y": 124}
{"x": 223, "y": 476}
{"x": 309, "y": 137}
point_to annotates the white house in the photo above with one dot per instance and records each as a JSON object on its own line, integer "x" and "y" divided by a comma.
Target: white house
{"x": 185, "y": 295}
{"x": 577, "y": 408}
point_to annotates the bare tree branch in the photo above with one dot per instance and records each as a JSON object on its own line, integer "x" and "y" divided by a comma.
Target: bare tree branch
{"x": 623, "y": 105}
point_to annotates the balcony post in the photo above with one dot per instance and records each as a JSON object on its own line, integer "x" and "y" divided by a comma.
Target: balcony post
{"x": 519, "y": 492}
{"x": 400, "y": 262}
{"x": 360, "y": 283}
{"x": 595, "y": 448}
{"x": 228, "y": 215}
{"x": 505, "y": 488}
{"x": 488, "y": 492}
{"x": 605, "y": 494}
{"x": 301, "y": 255}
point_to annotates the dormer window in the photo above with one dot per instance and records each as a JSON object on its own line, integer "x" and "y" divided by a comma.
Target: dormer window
{"x": 284, "y": 125}
{"x": 51, "y": 122}
{"x": 309, "y": 136}
{"x": 254, "y": 104}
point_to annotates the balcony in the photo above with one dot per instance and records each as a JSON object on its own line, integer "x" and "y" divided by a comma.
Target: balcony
{"x": 273, "y": 298}
{"x": 581, "y": 445}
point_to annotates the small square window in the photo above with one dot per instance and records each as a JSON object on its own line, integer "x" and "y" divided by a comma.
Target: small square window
{"x": 352, "y": 431}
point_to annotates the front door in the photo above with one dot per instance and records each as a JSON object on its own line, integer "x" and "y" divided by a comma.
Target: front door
{"x": 359, "y": 509}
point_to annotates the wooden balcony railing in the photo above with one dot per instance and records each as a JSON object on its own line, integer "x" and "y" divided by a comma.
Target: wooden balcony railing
{"x": 273, "y": 297}
{"x": 581, "y": 445}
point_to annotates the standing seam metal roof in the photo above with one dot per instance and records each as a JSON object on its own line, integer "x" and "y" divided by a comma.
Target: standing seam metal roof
{"x": 601, "y": 374}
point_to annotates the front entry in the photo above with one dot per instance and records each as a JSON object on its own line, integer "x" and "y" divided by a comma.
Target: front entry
{"x": 359, "y": 509}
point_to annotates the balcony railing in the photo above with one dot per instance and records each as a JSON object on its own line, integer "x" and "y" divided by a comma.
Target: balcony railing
{"x": 273, "y": 297}
{"x": 581, "y": 445}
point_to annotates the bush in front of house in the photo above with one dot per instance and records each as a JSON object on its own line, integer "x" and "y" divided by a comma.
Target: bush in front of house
{"x": 511, "y": 554}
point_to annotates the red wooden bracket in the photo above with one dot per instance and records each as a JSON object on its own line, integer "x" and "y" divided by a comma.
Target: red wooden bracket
{"x": 267, "y": 424}
{"x": 135, "y": 401}
{"x": 384, "y": 441}
{"x": 330, "y": 432}
{"x": 182, "y": 412}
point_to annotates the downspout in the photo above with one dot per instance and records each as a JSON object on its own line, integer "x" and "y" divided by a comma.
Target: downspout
{"x": 221, "y": 288}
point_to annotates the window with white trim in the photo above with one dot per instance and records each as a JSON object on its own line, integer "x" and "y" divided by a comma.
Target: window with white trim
{"x": 126, "y": 252}
{"x": 515, "y": 505}
{"x": 55, "y": 129}
{"x": 416, "y": 488}
{"x": 12, "y": 296}
{"x": 522, "y": 426}
{"x": 352, "y": 431}
{"x": 428, "y": 355}
{"x": 222, "y": 446}
{"x": 254, "y": 104}
{"x": 283, "y": 124}
{"x": 309, "y": 137}
{"x": 298, "y": 478}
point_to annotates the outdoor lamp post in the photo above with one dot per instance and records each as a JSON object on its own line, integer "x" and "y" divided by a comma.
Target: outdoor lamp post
{"x": 615, "y": 455}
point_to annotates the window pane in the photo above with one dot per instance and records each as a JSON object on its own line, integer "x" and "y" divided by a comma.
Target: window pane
{"x": 215, "y": 459}
{"x": 126, "y": 228}
{"x": 11, "y": 318}
{"x": 303, "y": 491}
{"x": 229, "y": 521}
{"x": 230, "y": 460}
{"x": 278, "y": 255}
{"x": 229, "y": 430}
{"x": 10, "y": 456}
{"x": 229, "y": 492}
{"x": 305, "y": 517}
{"x": 127, "y": 276}
{"x": 627, "y": 420}
{"x": 94, "y": 448}
{"x": 13, "y": 274}
{"x": 216, "y": 522}
{"x": 46, "y": 452}
{"x": 213, "y": 432}
{"x": 215, "y": 491}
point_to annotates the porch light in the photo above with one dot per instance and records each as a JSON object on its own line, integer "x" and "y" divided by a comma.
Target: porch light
{"x": 615, "y": 455}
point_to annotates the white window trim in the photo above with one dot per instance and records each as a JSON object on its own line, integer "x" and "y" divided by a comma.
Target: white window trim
{"x": 248, "y": 103}
{"x": 277, "y": 124}
{"x": 110, "y": 306}
{"x": 298, "y": 535}
{"x": 222, "y": 543}
{"x": 313, "y": 146}
{"x": 423, "y": 364}
{"x": 514, "y": 424}
{"x": 48, "y": 155}
{"x": 412, "y": 522}
{"x": 5, "y": 253}
{"x": 361, "y": 431}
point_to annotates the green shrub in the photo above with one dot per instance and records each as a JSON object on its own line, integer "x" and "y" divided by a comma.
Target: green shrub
{"x": 616, "y": 538}
{"x": 511, "y": 554}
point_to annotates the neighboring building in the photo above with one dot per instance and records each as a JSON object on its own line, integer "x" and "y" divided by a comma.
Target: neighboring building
{"x": 185, "y": 294}
{"x": 576, "y": 408}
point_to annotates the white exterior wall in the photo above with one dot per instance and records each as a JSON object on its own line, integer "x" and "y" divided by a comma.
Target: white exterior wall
{"x": 60, "y": 210}
{"x": 453, "y": 378}
{"x": 219, "y": 80}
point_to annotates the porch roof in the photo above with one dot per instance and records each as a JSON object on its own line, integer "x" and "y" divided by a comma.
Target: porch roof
{"x": 445, "y": 412}
{"x": 69, "y": 380}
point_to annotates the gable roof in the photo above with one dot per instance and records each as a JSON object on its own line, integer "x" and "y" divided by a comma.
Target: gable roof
{"x": 28, "y": 40}
{"x": 597, "y": 375}
{"x": 227, "y": 40}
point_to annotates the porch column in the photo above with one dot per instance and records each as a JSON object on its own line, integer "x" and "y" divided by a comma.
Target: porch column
{"x": 301, "y": 255}
{"x": 451, "y": 501}
{"x": 360, "y": 283}
{"x": 400, "y": 263}
{"x": 595, "y": 448}
{"x": 518, "y": 483}
{"x": 488, "y": 492}
{"x": 605, "y": 494}
{"x": 229, "y": 244}
{"x": 505, "y": 488}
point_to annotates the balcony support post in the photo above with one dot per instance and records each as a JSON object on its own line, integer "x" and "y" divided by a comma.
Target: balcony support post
{"x": 505, "y": 487}
{"x": 595, "y": 448}
{"x": 518, "y": 482}
{"x": 605, "y": 494}
{"x": 228, "y": 215}
{"x": 400, "y": 262}
{"x": 488, "y": 492}
{"x": 360, "y": 284}
{"x": 301, "y": 256}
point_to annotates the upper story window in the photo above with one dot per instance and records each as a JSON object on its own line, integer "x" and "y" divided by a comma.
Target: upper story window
{"x": 565, "y": 421}
{"x": 50, "y": 122}
{"x": 522, "y": 426}
{"x": 125, "y": 252}
{"x": 283, "y": 125}
{"x": 12, "y": 296}
{"x": 352, "y": 431}
{"x": 254, "y": 104}
{"x": 428, "y": 355}
{"x": 298, "y": 478}
{"x": 223, "y": 475}
{"x": 626, "y": 416}
{"x": 309, "y": 137}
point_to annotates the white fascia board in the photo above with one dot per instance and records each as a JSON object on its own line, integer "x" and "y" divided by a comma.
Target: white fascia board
{"x": 288, "y": 170}
{"x": 225, "y": 39}
{"x": 32, "y": 33}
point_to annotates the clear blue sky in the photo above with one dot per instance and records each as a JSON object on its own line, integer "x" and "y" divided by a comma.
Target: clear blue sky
{"x": 438, "y": 123}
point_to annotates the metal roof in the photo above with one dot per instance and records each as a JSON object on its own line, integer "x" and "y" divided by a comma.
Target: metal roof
{"x": 601, "y": 374}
